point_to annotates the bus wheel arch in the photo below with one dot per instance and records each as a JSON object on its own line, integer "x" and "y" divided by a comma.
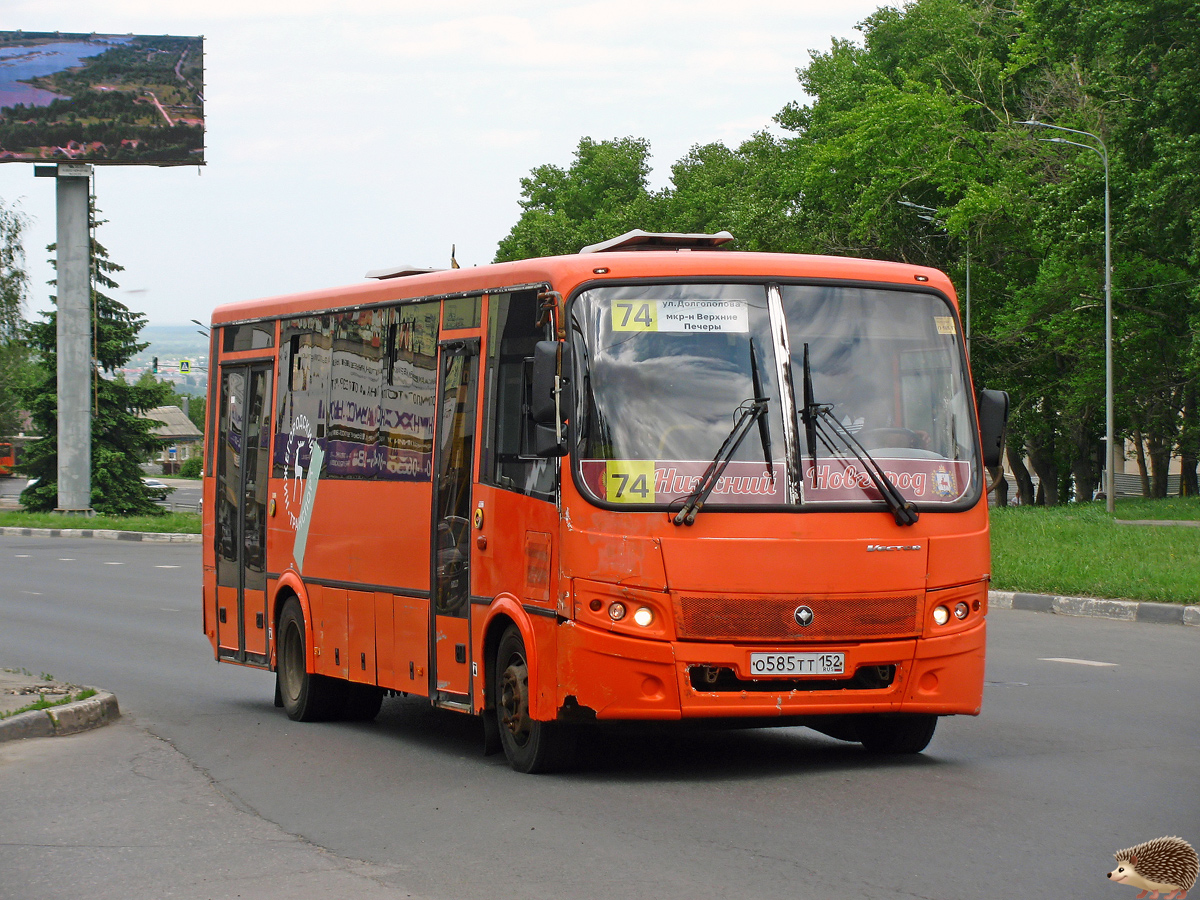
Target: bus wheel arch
{"x": 304, "y": 695}
{"x": 530, "y": 745}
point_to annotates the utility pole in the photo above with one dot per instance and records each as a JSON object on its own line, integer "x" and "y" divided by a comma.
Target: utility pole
{"x": 73, "y": 273}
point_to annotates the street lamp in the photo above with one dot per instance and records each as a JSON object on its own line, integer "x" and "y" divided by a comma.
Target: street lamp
{"x": 930, "y": 215}
{"x": 1110, "y": 448}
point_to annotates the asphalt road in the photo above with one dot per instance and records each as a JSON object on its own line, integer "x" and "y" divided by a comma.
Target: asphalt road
{"x": 1069, "y": 762}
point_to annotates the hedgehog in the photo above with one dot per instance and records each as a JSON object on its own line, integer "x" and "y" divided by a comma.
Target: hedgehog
{"x": 1166, "y": 864}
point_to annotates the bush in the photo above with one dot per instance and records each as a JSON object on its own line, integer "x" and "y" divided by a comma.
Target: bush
{"x": 192, "y": 467}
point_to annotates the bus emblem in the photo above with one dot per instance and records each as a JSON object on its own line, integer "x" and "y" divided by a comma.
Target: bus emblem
{"x": 804, "y": 616}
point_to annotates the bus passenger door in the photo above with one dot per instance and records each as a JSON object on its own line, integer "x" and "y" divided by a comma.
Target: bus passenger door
{"x": 243, "y": 466}
{"x": 449, "y": 657}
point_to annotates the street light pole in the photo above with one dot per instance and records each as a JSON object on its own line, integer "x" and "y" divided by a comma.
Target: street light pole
{"x": 1110, "y": 449}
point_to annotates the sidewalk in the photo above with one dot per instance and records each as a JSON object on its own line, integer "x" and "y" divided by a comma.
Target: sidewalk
{"x": 119, "y": 813}
{"x": 21, "y": 688}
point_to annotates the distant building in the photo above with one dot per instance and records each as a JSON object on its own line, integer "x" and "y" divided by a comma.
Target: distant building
{"x": 180, "y": 438}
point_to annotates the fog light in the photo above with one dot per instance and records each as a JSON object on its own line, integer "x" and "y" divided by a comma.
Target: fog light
{"x": 961, "y": 610}
{"x": 643, "y": 616}
{"x": 941, "y": 615}
{"x": 616, "y": 611}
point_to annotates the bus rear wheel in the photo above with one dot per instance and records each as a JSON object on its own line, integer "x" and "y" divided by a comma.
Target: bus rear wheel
{"x": 529, "y": 745}
{"x": 306, "y": 697}
{"x": 896, "y": 733}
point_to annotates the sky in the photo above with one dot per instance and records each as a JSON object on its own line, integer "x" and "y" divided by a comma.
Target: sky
{"x": 364, "y": 134}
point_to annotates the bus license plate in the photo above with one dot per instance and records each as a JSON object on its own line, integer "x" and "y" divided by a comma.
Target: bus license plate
{"x": 797, "y": 663}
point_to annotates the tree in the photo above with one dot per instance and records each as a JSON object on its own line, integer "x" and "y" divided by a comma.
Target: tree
{"x": 604, "y": 193}
{"x": 121, "y": 439}
{"x": 14, "y": 285}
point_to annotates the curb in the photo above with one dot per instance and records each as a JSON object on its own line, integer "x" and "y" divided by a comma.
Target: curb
{"x": 70, "y": 718}
{"x": 104, "y": 533}
{"x": 1119, "y": 610}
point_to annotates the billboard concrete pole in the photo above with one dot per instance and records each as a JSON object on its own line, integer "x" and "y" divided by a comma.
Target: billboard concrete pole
{"x": 73, "y": 273}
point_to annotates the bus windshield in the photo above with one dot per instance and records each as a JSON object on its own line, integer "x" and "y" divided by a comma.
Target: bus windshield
{"x": 663, "y": 370}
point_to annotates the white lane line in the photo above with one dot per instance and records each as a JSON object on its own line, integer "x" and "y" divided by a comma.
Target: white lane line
{"x": 66, "y": 559}
{"x": 1077, "y": 662}
{"x": 168, "y": 567}
{"x": 32, "y": 593}
{"x": 166, "y": 609}
{"x": 114, "y": 563}
{"x": 21, "y": 555}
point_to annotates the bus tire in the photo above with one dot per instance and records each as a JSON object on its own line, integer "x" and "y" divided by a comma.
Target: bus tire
{"x": 896, "y": 733}
{"x": 529, "y": 745}
{"x": 306, "y": 697}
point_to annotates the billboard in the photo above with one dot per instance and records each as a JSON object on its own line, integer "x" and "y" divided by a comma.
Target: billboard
{"x": 113, "y": 99}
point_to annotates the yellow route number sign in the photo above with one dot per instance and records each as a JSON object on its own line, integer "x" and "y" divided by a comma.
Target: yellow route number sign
{"x": 629, "y": 480}
{"x": 637, "y": 315}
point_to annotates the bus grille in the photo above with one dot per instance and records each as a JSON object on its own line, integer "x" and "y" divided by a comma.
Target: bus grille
{"x": 835, "y": 618}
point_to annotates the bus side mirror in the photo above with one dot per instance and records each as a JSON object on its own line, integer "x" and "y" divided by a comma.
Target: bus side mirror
{"x": 551, "y": 398}
{"x": 993, "y": 420}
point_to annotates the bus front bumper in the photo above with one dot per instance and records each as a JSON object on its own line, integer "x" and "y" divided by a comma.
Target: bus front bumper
{"x": 623, "y": 678}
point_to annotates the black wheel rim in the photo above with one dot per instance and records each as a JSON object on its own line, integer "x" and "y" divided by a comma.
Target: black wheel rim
{"x": 291, "y": 663}
{"x": 513, "y": 702}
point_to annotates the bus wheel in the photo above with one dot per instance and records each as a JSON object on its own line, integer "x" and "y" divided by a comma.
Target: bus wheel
{"x": 530, "y": 746}
{"x": 306, "y": 697}
{"x": 897, "y": 733}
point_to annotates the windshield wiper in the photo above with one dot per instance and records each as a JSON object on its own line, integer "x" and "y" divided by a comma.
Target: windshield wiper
{"x": 764, "y": 425}
{"x": 748, "y": 413}
{"x": 820, "y": 423}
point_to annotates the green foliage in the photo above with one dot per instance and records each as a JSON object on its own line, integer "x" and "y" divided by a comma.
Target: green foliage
{"x": 16, "y": 368}
{"x": 191, "y": 467}
{"x": 604, "y": 193}
{"x": 927, "y": 110}
{"x": 121, "y": 439}
{"x": 160, "y": 523}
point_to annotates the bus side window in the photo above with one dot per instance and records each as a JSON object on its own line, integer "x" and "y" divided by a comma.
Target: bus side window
{"x": 508, "y": 461}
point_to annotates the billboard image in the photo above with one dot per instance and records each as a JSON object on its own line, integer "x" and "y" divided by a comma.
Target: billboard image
{"x": 101, "y": 98}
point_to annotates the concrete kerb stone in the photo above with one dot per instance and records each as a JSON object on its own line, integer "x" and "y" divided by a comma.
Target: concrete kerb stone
{"x": 105, "y": 534}
{"x": 1120, "y": 610}
{"x": 70, "y": 718}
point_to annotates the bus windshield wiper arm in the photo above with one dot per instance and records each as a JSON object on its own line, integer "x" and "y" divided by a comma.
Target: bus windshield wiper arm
{"x": 903, "y": 511}
{"x": 820, "y": 423}
{"x": 764, "y": 425}
{"x": 748, "y": 413}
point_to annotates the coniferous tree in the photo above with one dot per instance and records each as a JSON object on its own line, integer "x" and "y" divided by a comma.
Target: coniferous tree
{"x": 121, "y": 439}
{"x": 14, "y": 285}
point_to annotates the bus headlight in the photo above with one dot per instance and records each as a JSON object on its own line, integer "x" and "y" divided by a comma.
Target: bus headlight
{"x": 616, "y": 610}
{"x": 941, "y": 615}
{"x": 644, "y": 616}
{"x": 960, "y": 610}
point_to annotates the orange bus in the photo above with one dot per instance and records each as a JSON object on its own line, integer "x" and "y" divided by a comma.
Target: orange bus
{"x": 655, "y": 480}
{"x": 8, "y": 458}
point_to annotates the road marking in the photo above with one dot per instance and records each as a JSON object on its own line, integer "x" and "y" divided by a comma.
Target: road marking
{"x": 168, "y": 567}
{"x": 66, "y": 559}
{"x": 33, "y": 593}
{"x": 1077, "y": 662}
{"x": 166, "y": 609}
{"x": 114, "y": 563}
{"x": 22, "y": 556}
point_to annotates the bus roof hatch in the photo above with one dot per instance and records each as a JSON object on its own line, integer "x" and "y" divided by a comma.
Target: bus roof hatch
{"x": 650, "y": 240}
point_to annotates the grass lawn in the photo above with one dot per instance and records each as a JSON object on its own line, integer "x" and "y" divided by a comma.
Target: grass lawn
{"x": 1079, "y": 550}
{"x": 171, "y": 523}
